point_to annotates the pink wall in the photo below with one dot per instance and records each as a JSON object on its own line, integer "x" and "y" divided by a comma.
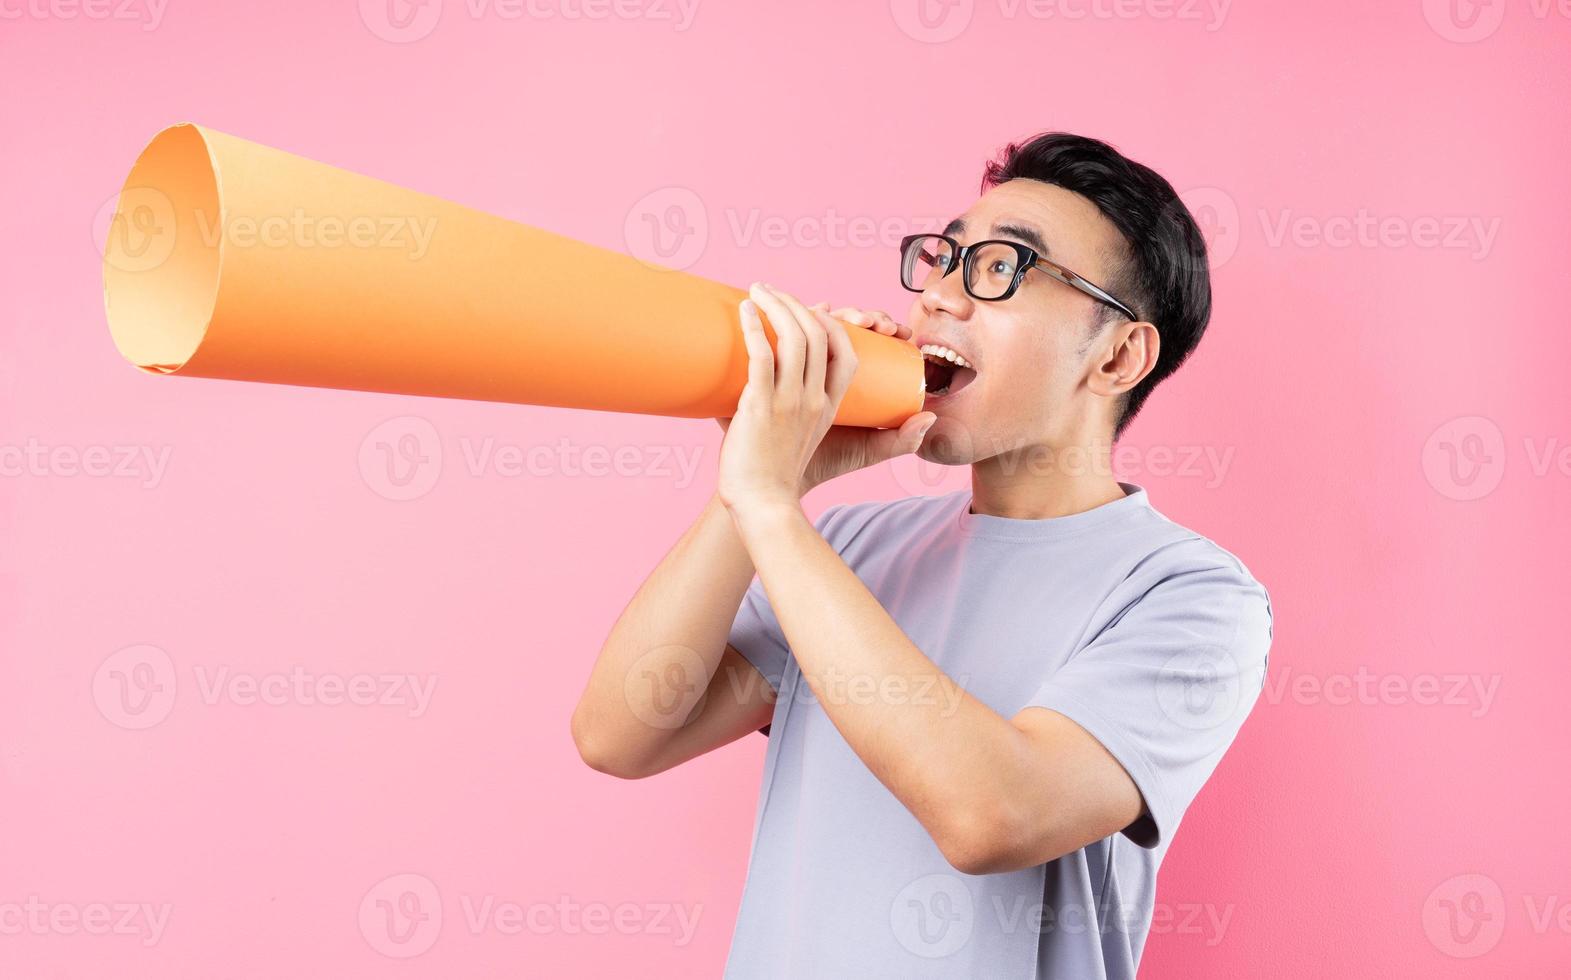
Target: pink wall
{"x": 1375, "y": 424}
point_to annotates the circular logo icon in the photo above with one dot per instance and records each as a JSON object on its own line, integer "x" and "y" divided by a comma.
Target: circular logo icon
{"x": 401, "y": 459}
{"x": 1465, "y": 916}
{"x": 401, "y": 916}
{"x": 1465, "y": 458}
{"x": 932, "y": 21}
{"x": 135, "y": 230}
{"x": 1464, "y": 21}
{"x": 666, "y": 686}
{"x": 947, "y": 439}
{"x": 1200, "y": 688}
{"x": 135, "y": 687}
{"x": 400, "y": 21}
{"x": 667, "y": 228}
{"x": 932, "y": 917}
{"x": 1215, "y": 211}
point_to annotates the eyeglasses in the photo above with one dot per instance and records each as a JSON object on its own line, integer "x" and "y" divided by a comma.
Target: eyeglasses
{"x": 994, "y": 269}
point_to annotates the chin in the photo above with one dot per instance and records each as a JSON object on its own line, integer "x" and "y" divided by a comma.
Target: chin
{"x": 950, "y": 442}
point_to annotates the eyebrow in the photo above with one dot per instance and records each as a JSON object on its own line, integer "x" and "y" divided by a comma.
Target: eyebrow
{"x": 1024, "y": 233}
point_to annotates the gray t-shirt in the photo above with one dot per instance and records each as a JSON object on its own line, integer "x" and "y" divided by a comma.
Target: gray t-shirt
{"x": 1149, "y": 636}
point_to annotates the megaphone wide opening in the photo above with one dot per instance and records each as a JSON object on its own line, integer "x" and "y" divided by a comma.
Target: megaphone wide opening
{"x": 162, "y": 257}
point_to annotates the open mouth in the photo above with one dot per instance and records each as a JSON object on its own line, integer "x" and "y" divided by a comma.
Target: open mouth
{"x": 947, "y": 371}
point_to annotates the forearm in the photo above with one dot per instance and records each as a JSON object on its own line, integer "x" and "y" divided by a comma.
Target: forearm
{"x": 675, "y": 627}
{"x": 956, "y": 764}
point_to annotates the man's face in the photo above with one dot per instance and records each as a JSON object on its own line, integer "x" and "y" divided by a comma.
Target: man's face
{"x": 1030, "y": 352}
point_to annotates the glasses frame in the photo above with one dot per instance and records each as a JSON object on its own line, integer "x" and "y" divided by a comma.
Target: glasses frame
{"x": 1028, "y": 259}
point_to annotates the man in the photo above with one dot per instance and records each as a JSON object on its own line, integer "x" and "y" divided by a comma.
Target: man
{"x": 988, "y": 710}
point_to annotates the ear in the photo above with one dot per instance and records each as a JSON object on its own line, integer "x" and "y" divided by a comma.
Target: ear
{"x": 1127, "y": 355}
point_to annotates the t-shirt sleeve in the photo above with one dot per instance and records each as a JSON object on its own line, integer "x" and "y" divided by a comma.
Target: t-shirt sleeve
{"x": 755, "y": 633}
{"x": 1167, "y": 684}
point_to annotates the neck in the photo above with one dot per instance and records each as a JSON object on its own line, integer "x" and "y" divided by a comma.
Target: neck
{"x": 1040, "y": 482}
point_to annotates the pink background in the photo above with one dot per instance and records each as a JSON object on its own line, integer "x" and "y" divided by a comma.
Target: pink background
{"x": 1388, "y": 410}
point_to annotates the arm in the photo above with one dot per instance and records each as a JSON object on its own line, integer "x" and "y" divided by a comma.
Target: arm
{"x": 667, "y": 656}
{"x": 666, "y": 687}
{"x": 995, "y": 793}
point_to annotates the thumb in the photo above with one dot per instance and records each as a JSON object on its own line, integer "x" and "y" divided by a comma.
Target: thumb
{"x": 889, "y": 443}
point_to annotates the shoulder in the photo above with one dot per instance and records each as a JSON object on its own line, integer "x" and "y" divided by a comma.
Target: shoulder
{"x": 1187, "y": 578}
{"x": 1164, "y": 547}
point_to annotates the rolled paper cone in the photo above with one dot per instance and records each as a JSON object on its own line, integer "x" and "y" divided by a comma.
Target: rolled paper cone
{"x": 228, "y": 259}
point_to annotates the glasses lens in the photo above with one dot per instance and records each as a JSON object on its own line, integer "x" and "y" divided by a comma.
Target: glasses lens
{"x": 990, "y": 269}
{"x": 926, "y": 260}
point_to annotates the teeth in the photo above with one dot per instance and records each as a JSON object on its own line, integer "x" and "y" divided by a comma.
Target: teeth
{"x": 939, "y": 350}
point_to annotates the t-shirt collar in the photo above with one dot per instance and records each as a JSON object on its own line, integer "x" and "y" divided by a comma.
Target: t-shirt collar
{"x": 1134, "y": 502}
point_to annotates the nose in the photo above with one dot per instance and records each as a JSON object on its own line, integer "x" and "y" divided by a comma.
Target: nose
{"x": 947, "y": 293}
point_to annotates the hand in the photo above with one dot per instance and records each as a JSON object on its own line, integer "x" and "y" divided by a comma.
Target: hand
{"x": 782, "y": 441}
{"x": 872, "y": 319}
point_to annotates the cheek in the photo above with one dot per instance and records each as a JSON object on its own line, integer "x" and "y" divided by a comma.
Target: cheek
{"x": 1022, "y": 371}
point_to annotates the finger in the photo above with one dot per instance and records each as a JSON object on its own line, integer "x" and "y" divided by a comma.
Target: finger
{"x": 760, "y": 359}
{"x": 883, "y": 323}
{"x": 842, "y": 358}
{"x": 886, "y": 324}
{"x": 790, "y": 342}
{"x": 874, "y": 320}
{"x": 852, "y": 315}
{"x": 878, "y": 321}
{"x": 815, "y": 365}
{"x": 885, "y": 444}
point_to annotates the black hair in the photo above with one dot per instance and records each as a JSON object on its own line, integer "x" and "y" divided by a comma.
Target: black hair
{"x": 1163, "y": 273}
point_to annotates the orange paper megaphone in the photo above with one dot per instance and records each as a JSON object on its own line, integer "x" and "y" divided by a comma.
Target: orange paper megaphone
{"x": 228, "y": 259}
